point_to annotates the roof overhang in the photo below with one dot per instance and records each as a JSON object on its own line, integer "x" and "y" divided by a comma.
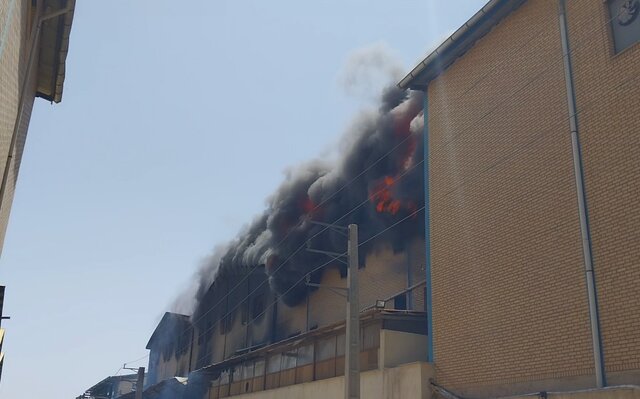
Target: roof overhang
{"x": 54, "y": 46}
{"x": 458, "y": 43}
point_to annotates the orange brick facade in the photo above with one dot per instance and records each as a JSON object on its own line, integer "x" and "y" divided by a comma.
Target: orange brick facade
{"x": 510, "y": 309}
{"x": 608, "y": 86}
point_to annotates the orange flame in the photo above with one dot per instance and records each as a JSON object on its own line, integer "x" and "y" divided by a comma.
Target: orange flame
{"x": 383, "y": 199}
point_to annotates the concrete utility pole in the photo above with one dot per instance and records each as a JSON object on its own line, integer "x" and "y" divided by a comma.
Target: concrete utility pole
{"x": 140, "y": 383}
{"x": 352, "y": 334}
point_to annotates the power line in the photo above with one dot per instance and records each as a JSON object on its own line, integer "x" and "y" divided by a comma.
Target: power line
{"x": 398, "y": 178}
{"x": 493, "y": 165}
{"x": 473, "y": 85}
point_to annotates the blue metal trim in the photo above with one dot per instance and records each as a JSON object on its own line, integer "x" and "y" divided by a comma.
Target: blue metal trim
{"x": 427, "y": 231}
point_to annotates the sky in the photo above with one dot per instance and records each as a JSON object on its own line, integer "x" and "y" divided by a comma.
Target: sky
{"x": 178, "y": 120}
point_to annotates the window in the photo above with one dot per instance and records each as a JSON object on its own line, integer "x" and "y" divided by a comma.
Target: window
{"x": 257, "y": 305}
{"x": 237, "y": 373}
{"x": 305, "y": 355}
{"x": 247, "y": 371}
{"x": 340, "y": 345}
{"x": 625, "y": 23}
{"x": 326, "y": 349}
{"x": 224, "y": 377}
{"x": 400, "y": 302}
{"x": 370, "y": 337}
{"x": 259, "y": 367}
{"x": 273, "y": 364}
{"x": 226, "y": 323}
{"x": 289, "y": 359}
{"x": 245, "y": 311}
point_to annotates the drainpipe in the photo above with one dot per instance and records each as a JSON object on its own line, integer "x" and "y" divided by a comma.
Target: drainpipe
{"x": 33, "y": 45}
{"x": 427, "y": 230}
{"x": 409, "y": 293}
{"x": 582, "y": 202}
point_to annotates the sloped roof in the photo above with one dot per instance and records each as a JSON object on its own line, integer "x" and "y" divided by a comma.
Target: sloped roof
{"x": 459, "y": 43}
{"x": 104, "y": 386}
{"x": 171, "y": 323}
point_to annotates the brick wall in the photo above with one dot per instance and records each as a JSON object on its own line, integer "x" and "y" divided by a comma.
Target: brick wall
{"x": 13, "y": 59}
{"x": 509, "y": 291}
{"x": 607, "y": 87}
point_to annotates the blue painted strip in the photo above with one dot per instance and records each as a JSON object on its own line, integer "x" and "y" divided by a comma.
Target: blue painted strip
{"x": 7, "y": 26}
{"x": 427, "y": 231}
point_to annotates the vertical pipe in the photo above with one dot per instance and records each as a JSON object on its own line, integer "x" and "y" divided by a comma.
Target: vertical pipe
{"x": 409, "y": 280}
{"x": 581, "y": 197}
{"x": 352, "y": 334}
{"x": 274, "y": 319}
{"x": 427, "y": 231}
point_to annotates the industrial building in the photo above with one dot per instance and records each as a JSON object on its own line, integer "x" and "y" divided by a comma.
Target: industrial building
{"x": 111, "y": 387}
{"x": 266, "y": 345}
{"x": 527, "y": 280}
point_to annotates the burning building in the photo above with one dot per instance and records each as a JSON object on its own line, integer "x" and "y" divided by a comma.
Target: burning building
{"x": 528, "y": 115}
{"x": 275, "y": 301}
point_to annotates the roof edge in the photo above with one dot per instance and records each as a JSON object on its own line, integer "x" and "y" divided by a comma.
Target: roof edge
{"x": 66, "y": 21}
{"x": 458, "y": 43}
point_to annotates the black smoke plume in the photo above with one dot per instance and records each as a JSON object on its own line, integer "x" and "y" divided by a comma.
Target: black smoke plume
{"x": 391, "y": 189}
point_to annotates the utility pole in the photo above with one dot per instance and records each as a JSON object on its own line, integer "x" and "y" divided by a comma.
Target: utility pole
{"x": 352, "y": 333}
{"x": 2, "y": 317}
{"x": 140, "y": 383}
{"x": 352, "y": 337}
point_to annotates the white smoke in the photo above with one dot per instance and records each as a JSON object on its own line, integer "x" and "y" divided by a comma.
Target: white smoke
{"x": 368, "y": 70}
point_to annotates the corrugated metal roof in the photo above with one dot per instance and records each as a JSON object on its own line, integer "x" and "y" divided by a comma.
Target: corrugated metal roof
{"x": 458, "y": 43}
{"x": 54, "y": 46}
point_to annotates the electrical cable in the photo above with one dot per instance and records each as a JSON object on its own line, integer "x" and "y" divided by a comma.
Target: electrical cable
{"x": 491, "y": 166}
{"x": 535, "y": 77}
{"x": 473, "y": 85}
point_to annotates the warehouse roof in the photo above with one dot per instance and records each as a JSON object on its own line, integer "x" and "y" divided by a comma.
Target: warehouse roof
{"x": 458, "y": 43}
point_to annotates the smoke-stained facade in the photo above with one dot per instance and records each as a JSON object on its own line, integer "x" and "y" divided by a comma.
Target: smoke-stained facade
{"x": 254, "y": 291}
{"x": 376, "y": 184}
{"x": 510, "y": 307}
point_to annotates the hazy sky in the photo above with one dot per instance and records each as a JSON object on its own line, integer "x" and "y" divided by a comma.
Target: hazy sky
{"x": 178, "y": 119}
